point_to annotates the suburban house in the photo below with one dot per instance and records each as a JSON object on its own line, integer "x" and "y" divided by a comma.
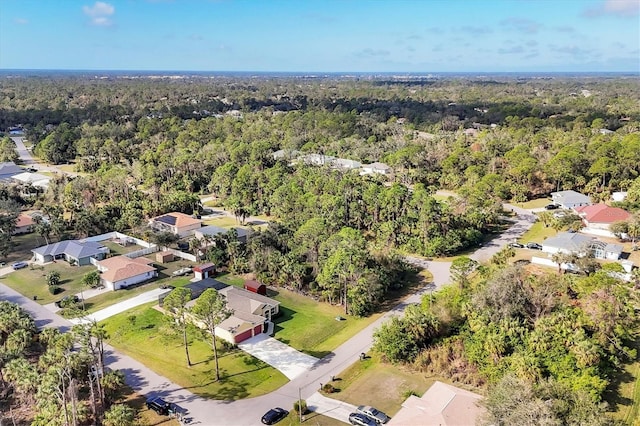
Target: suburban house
{"x": 176, "y": 223}
{"x": 252, "y": 313}
{"x": 441, "y": 405}
{"x": 568, "y": 242}
{"x": 73, "y": 251}
{"x": 375, "y": 169}
{"x": 345, "y": 164}
{"x": 120, "y": 271}
{"x": 570, "y": 199}
{"x": 8, "y": 170}
{"x": 598, "y": 217}
{"x": 212, "y": 231}
{"x": 24, "y": 224}
{"x": 34, "y": 179}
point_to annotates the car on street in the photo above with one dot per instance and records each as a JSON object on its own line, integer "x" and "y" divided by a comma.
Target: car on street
{"x": 551, "y": 206}
{"x": 66, "y": 301}
{"x": 359, "y": 419}
{"x": 19, "y": 265}
{"x": 274, "y": 415}
{"x": 534, "y": 246}
{"x": 516, "y": 245}
{"x": 158, "y": 405}
{"x": 378, "y": 416}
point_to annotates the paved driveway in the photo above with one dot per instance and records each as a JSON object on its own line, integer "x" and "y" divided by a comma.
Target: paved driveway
{"x": 112, "y": 310}
{"x": 284, "y": 358}
{"x": 330, "y": 407}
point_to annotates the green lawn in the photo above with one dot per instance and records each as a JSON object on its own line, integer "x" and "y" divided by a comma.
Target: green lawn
{"x": 22, "y": 246}
{"x": 533, "y": 204}
{"x": 222, "y": 221}
{"x": 231, "y": 279}
{"x": 105, "y": 300}
{"x": 381, "y": 385}
{"x": 31, "y": 281}
{"x": 144, "y": 334}
{"x": 537, "y": 233}
{"x": 623, "y": 394}
{"x": 311, "y": 327}
{"x": 117, "y": 249}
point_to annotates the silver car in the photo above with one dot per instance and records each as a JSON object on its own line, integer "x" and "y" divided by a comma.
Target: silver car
{"x": 378, "y": 416}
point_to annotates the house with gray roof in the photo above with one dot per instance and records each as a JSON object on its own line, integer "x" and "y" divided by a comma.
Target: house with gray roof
{"x": 568, "y": 242}
{"x": 8, "y": 170}
{"x": 212, "y": 231}
{"x": 570, "y": 199}
{"x": 75, "y": 252}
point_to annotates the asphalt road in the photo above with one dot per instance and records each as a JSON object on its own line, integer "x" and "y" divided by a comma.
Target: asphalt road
{"x": 249, "y": 411}
{"x": 28, "y": 161}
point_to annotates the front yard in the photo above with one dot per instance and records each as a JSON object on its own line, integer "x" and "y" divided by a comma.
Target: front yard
{"x": 32, "y": 281}
{"x": 144, "y": 334}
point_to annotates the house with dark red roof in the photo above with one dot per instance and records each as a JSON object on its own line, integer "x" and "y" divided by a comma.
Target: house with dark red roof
{"x": 176, "y": 223}
{"x": 598, "y": 217}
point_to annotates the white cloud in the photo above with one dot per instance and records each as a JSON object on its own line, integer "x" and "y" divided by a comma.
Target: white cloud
{"x": 100, "y": 13}
{"x": 620, "y": 8}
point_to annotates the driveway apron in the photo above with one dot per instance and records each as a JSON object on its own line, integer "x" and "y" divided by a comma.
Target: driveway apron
{"x": 285, "y": 359}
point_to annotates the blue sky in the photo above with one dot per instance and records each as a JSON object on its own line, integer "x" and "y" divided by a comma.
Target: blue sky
{"x": 322, "y": 35}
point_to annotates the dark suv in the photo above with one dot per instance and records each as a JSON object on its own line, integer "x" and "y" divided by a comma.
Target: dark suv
{"x": 158, "y": 405}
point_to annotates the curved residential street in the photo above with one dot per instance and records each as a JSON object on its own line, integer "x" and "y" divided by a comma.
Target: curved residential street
{"x": 28, "y": 161}
{"x": 203, "y": 411}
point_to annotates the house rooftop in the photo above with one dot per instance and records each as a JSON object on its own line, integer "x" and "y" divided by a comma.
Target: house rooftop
{"x": 73, "y": 248}
{"x": 177, "y": 219}
{"x": 120, "y": 268}
{"x": 602, "y": 213}
{"x": 441, "y": 405}
{"x": 570, "y": 196}
{"x": 569, "y": 241}
{"x": 24, "y": 220}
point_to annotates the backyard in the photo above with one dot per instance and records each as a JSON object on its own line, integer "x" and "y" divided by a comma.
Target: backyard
{"x": 144, "y": 334}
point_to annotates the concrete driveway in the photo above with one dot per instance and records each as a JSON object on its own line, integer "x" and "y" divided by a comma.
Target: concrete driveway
{"x": 141, "y": 299}
{"x": 284, "y": 358}
{"x": 330, "y": 407}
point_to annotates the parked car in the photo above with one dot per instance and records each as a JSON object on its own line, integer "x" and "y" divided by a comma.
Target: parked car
{"x": 67, "y": 300}
{"x": 274, "y": 415}
{"x": 19, "y": 265}
{"x": 551, "y": 206}
{"x": 182, "y": 271}
{"x": 534, "y": 246}
{"x": 516, "y": 245}
{"x": 378, "y": 416}
{"x": 158, "y": 405}
{"x": 359, "y": 419}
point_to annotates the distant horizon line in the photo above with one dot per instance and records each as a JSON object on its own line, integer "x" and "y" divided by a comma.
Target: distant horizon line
{"x": 313, "y": 73}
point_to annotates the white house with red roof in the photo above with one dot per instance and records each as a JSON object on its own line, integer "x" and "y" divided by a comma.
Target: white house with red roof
{"x": 598, "y": 217}
{"x": 120, "y": 271}
{"x": 24, "y": 224}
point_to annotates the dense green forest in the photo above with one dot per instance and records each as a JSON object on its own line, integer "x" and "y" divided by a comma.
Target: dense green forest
{"x": 143, "y": 147}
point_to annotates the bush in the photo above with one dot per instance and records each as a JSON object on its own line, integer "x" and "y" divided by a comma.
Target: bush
{"x": 300, "y": 407}
{"x": 54, "y": 289}
{"x": 328, "y": 388}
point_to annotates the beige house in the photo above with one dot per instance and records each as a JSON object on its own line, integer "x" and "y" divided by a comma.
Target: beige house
{"x": 120, "y": 271}
{"x": 176, "y": 223}
{"x": 251, "y": 314}
{"x": 441, "y": 405}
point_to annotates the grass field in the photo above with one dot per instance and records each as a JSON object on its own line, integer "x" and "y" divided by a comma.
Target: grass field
{"x": 144, "y": 334}
{"x": 537, "y": 233}
{"x": 117, "y": 249}
{"x": 311, "y": 327}
{"x": 623, "y": 394}
{"x": 379, "y": 384}
{"x": 533, "y": 204}
{"x": 32, "y": 281}
{"x": 22, "y": 246}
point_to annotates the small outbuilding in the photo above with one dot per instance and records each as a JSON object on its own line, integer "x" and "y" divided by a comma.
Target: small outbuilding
{"x": 255, "y": 287}
{"x": 164, "y": 257}
{"x": 204, "y": 271}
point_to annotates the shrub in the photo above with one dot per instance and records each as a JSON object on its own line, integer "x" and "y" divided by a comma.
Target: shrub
{"x": 54, "y": 289}
{"x": 328, "y": 388}
{"x": 300, "y": 407}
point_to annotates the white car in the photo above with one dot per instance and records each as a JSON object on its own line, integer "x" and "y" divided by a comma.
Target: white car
{"x": 182, "y": 271}
{"x": 378, "y": 416}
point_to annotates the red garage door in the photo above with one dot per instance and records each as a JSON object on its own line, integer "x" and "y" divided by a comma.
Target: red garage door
{"x": 243, "y": 336}
{"x": 257, "y": 329}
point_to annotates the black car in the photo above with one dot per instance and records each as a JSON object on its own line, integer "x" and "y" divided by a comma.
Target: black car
{"x": 534, "y": 246}
{"x": 158, "y": 405}
{"x": 274, "y": 415}
{"x": 67, "y": 300}
{"x": 551, "y": 206}
{"x": 359, "y": 419}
